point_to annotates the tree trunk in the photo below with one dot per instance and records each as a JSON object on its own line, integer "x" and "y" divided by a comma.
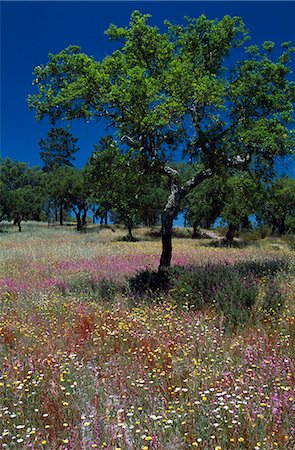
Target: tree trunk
{"x": 185, "y": 221}
{"x": 246, "y": 223}
{"x": 106, "y": 217}
{"x": 282, "y": 227}
{"x": 167, "y": 225}
{"x": 84, "y": 216}
{"x": 79, "y": 223}
{"x": 273, "y": 229}
{"x": 130, "y": 235}
{"x": 169, "y": 214}
{"x": 195, "y": 230}
{"x": 230, "y": 235}
{"x": 61, "y": 214}
{"x": 172, "y": 208}
{"x": 19, "y": 226}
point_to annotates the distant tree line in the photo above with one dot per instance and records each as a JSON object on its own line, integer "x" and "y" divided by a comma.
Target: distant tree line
{"x": 108, "y": 186}
{"x": 121, "y": 186}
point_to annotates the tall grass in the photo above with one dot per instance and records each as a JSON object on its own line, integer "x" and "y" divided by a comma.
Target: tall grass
{"x": 82, "y": 369}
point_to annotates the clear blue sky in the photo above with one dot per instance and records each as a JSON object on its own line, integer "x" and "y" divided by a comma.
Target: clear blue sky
{"x": 31, "y": 30}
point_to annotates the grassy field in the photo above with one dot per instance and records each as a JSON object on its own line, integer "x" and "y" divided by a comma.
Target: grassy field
{"x": 87, "y": 363}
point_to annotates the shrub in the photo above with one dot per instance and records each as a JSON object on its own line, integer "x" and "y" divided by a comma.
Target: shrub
{"x": 264, "y": 231}
{"x": 261, "y": 268}
{"x": 149, "y": 281}
{"x": 249, "y": 236}
{"x": 221, "y": 243}
{"x": 274, "y": 296}
{"x": 219, "y": 286}
{"x": 289, "y": 239}
{"x": 106, "y": 289}
{"x": 233, "y": 290}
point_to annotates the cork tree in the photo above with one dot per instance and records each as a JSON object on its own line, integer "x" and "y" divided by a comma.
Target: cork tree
{"x": 179, "y": 94}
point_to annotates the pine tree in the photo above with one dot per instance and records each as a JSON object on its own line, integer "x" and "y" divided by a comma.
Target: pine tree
{"x": 57, "y": 149}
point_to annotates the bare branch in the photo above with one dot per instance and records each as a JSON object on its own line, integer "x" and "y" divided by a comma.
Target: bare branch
{"x": 171, "y": 173}
{"x": 239, "y": 162}
{"x": 195, "y": 181}
{"x": 125, "y": 137}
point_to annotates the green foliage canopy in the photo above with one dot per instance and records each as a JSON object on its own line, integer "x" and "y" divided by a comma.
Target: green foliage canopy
{"x": 160, "y": 89}
{"x": 177, "y": 90}
{"x": 278, "y": 207}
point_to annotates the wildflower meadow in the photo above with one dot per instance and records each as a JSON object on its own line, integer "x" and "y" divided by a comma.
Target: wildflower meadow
{"x": 88, "y": 362}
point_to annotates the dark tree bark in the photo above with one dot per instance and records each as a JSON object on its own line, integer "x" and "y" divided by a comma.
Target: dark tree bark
{"x": 130, "y": 235}
{"x": 84, "y": 217}
{"x": 282, "y": 227}
{"x": 61, "y": 213}
{"x": 195, "y": 230}
{"x": 167, "y": 225}
{"x": 172, "y": 208}
{"x": 230, "y": 235}
{"x": 169, "y": 214}
{"x": 246, "y": 225}
{"x": 277, "y": 224}
{"x": 17, "y": 221}
{"x": 79, "y": 222}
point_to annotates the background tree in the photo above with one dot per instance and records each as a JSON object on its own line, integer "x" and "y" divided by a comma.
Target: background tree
{"x": 20, "y": 191}
{"x": 242, "y": 199}
{"x": 24, "y": 204}
{"x": 4, "y": 212}
{"x": 58, "y": 150}
{"x": 121, "y": 181}
{"x": 117, "y": 181}
{"x": 152, "y": 200}
{"x": 52, "y": 189}
{"x": 76, "y": 193}
{"x": 178, "y": 91}
{"x": 278, "y": 207}
{"x": 205, "y": 204}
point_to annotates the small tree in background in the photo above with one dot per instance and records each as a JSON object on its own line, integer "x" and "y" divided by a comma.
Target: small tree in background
{"x": 24, "y": 204}
{"x": 205, "y": 204}
{"x": 57, "y": 151}
{"x": 152, "y": 201}
{"x": 278, "y": 206}
{"x": 121, "y": 180}
{"x": 21, "y": 196}
{"x": 242, "y": 198}
{"x": 117, "y": 182}
{"x": 76, "y": 193}
{"x": 4, "y": 211}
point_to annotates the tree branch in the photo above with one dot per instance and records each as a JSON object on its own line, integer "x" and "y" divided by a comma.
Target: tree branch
{"x": 195, "y": 181}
